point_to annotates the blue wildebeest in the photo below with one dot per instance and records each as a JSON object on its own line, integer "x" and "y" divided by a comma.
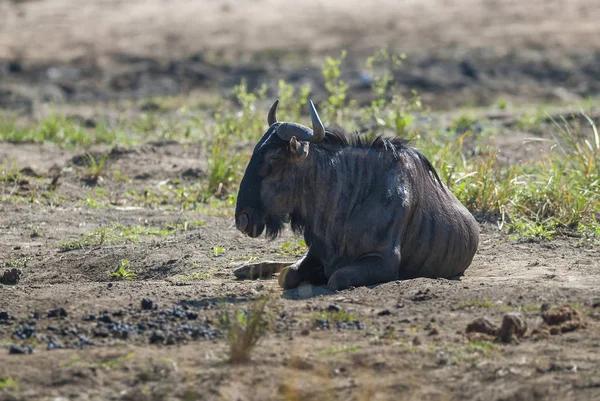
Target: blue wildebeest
{"x": 371, "y": 211}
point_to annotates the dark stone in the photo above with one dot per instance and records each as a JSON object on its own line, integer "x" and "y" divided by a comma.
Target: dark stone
{"x": 60, "y": 312}
{"x": 157, "y": 337}
{"x": 334, "y": 308}
{"x": 53, "y": 344}
{"x": 14, "y": 350}
{"x": 11, "y": 277}
{"x": 147, "y": 304}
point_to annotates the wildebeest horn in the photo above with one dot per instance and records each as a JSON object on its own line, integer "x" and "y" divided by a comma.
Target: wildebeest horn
{"x": 318, "y": 129}
{"x": 272, "y": 119}
{"x": 287, "y": 130}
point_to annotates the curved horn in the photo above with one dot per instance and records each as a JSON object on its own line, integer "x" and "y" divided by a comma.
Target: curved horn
{"x": 272, "y": 118}
{"x": 318, "y": 129}
{"x": 286, "y": 131}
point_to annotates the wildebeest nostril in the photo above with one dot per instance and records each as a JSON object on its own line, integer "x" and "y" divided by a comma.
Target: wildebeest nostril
{"x": 243, "y": 222}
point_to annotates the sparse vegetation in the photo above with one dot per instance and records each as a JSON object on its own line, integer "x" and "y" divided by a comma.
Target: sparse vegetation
{"x": 197, "y": 276}
{"x": 339, "y": 350}
{"x": 122, "y": 271}
{"x": 117, "y": 233}
{"x": 244, "y": 329}
{"x": 94, "y": 168}
{"x": 296, "y": 247}
{"x": 539, "y": 199}
{"x": 217, "y": 250}
{"x": 8, "y": 383}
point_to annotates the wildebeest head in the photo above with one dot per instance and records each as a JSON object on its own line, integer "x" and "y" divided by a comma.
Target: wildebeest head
{"x": 265, "y": 195}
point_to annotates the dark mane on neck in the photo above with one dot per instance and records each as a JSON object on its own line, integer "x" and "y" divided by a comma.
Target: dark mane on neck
{"x": 396, "y": 146}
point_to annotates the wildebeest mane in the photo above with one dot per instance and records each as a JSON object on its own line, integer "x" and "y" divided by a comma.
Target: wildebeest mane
{"x": 396, "y": 146}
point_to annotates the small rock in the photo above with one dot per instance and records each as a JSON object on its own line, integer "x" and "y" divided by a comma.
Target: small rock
{"x": 385, "y": 312}
{"x": 89, "y": 318}
{"x": 482, "y": 325}
{"x": 170, "y": 340}
{"x": 60, "y": 312}
{"x": 105, "y": 319}
{"x": 53, "y": 344}
{"x": 157, "y": 337}
{"x": 14, "y": 350}
{"x": 423, "y": 295}
{"x": 11, "y": 277}
{"x": 513, "y": 325}
{"x": 416, "y": 341}
{"x": 334, "y": 308}
{"x": 147, "y": 304}
{"x": 563, "y": 319}
{"x": 5, "y": 316}
{"x": 305, "y": 332}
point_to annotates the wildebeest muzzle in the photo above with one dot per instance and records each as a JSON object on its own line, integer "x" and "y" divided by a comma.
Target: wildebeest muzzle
{"x": 250, "y": 222}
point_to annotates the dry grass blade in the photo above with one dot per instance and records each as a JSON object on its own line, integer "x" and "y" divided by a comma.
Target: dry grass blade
{"x": 244, "y": 330}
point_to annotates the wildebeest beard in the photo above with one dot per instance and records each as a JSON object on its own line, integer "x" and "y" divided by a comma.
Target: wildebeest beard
{"x": 274, "y": 225}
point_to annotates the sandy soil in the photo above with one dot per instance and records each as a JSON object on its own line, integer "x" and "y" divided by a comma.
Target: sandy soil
{"x": 409, "y": 337}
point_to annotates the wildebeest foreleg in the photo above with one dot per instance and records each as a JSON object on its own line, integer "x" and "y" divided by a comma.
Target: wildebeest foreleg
{"x": 308, "y": 269}
{"x": 366, "y": 271}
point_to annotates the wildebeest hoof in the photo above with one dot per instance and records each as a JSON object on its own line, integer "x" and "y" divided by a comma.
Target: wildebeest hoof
{"x": 338, "y": 282}
{"x": 289, "y": 277}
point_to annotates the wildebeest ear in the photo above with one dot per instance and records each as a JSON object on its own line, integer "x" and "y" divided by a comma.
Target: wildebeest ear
{"x": 299, "y": 149}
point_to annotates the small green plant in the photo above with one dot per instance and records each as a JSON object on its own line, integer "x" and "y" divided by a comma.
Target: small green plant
{"x": 95, "y": 167}
{"x": 217, "y": 250}
{"x": 463, "y": 123}
{"x": 19, "y": 263}
{"x": 8, "y": 383}
{"x": 531, "y": 230}
{"x": 224, "y": 168}
{"x": 122, "y": 272}
{"x": 36, "y": 232}
{"x": 335, "y": 86}
{"x": 198, "y": 276}
{"x": 244, "y": 329}
{"x": 502, "y": 104}
{"x": 293, "y": 248}
{"x": 340, "y": 316}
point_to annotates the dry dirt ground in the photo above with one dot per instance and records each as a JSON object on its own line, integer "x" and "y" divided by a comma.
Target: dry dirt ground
{"x": 87, "y": 336}
{"x": 457, "y": 51}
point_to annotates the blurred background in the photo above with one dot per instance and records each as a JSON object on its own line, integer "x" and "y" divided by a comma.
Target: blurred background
{"x": 458, "y": 52}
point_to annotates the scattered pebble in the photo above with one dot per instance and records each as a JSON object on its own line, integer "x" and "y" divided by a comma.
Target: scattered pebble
{"x": 14, "y": 350}
{"x": 482, "y": 325}
{"x": 157, "y": 337}
{"x": 4, "y": 316}
{"x": 11, "y": 277}
{"x": 147, "y": 304}
{"x": 513, "y": 327}
{"x": 563, "y": 319}
{"x": 60, "y": 312}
